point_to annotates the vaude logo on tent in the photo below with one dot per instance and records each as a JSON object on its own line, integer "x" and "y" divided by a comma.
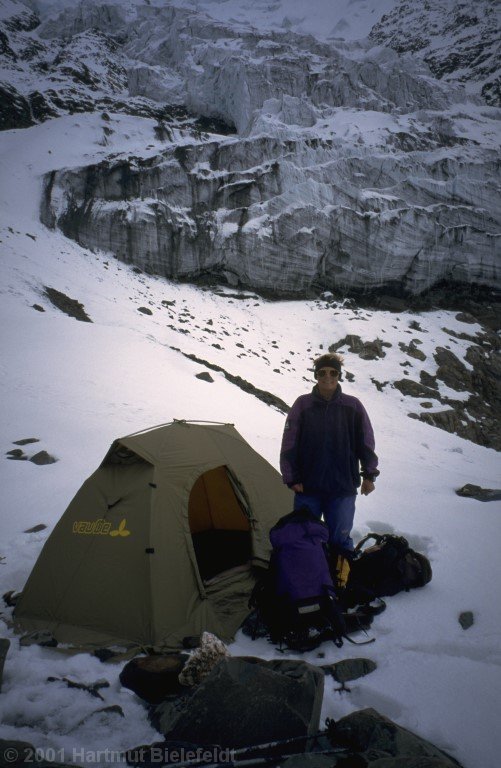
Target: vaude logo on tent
{"x": 100, "y": 528}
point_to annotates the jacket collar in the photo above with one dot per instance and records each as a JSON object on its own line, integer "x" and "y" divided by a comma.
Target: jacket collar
{"x": 318, "y": 397}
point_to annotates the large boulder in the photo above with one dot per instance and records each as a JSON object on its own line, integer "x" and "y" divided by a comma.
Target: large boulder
{"x": 367, "y": 731}
{"x": 154, "y": 678}
{"x": 246, "y": 701}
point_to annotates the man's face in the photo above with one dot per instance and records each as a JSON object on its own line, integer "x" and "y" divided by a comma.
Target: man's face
{"x": 327, "y": 381}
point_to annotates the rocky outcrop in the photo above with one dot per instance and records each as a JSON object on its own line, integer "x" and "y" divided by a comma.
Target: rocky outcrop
{"x": 477, "y": 417}
{"x": 70, "y": 307}
{"x": 459, "y": 42}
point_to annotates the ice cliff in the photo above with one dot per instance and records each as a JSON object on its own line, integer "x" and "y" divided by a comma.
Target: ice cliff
{"x": 288, "y": 160}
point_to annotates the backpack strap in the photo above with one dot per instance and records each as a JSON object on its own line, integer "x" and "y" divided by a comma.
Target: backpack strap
{"x": 359, "y": 642}
{"x": 374, "y": 610}
{"x": 376, "y": 536}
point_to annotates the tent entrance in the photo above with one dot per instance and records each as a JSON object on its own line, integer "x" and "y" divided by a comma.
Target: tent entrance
{"x": 219, "y": 524}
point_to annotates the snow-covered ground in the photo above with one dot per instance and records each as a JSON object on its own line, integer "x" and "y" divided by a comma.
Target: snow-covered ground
{"x": 76, "y": 386}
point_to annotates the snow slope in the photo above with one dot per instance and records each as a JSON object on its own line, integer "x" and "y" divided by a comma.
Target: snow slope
{"x": 76, "y": 386}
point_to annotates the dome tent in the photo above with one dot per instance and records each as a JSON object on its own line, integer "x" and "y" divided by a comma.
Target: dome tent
{"x": 159, "y": 541}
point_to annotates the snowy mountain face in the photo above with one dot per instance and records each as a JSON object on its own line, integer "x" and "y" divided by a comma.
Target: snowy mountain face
{"x": 458, "y": 41}
{"x": 277, "y": 154}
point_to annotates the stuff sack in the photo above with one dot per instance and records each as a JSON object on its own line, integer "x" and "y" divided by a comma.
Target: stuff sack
{"x": 383, "y": 569}
{"x": 296, "y": 599}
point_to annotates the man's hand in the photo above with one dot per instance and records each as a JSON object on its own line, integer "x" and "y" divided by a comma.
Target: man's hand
{"x": 367, "y": 487}
{"x": 298, "y": 488}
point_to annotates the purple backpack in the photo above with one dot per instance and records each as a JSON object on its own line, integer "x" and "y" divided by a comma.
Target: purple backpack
{"x": 295, "y": 603}
{"x": 300, "y": 562}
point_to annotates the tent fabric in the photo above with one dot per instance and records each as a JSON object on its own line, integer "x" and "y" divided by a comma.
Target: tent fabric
{"x": 213, "y": 504}
{"x": 120, "y": 567}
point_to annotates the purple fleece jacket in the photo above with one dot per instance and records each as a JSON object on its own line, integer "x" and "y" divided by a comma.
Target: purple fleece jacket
{"x": 327, "y": 444}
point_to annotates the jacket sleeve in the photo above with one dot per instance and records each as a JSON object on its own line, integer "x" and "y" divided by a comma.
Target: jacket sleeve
{"x": 289, "y": 450}
{"x": 366, "y": 444}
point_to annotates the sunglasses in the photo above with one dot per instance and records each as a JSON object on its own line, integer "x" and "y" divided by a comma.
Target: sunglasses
{"x": 330, "y": 372}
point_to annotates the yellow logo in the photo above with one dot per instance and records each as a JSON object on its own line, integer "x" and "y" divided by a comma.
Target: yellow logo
{"x": 121, "y": 530}
{"x": 100, "y": 528}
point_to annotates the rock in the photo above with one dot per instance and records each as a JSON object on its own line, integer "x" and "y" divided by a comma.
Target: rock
{"x": 465, "y": 317}
{"x": 18, "y": 754}
{"x": 26, "y": 441}
{"x": 154, "y": 678}
{"x": 380, "y": 385}
{"x": 36, "y": 528}
{"x": 391, "y": 303}
{"x": 448, "y": 420}
{"x": 42, "y": 638}
{"x": 203, "y": 660}
{"x": 145, "y": 310}
{"x": 464, "y": 336}
{"x": 16, "y": 454}
{"x": 42, "y": 458}
{"x": 204, "y": 376}
{"x": 366, "y": 350}
{"x": 412, "y": 350}
{"x": 476, "y": 419}
{"x": 112, "y": 709}
{"x": 4, "y": 647}
{"x": 478, "y": 493}
{"x": 466, "y": 619}
{"x": 367, "y": 731}
{"x": 38, "y": 308}
{"x": 70, "y": 307}
{"x": 14, "y": 753}
{"x": 428, "y": 380}
{"x": 349, "y": 669}
{"x": 14, "y": 109}
{"x": 452, "y": 371}
{"x": 415, "y": 389}
{"x": 11, "y": 597}
{"x": 486, "y": 375}
{"x": 412, "y": 28}
{"x": 244, "y": 702}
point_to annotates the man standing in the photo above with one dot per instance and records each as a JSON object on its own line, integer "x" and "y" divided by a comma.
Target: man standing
{"x": 328, "y": 443}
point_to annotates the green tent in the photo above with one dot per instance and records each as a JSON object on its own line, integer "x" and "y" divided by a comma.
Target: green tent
{"x": 159, "y": 543}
